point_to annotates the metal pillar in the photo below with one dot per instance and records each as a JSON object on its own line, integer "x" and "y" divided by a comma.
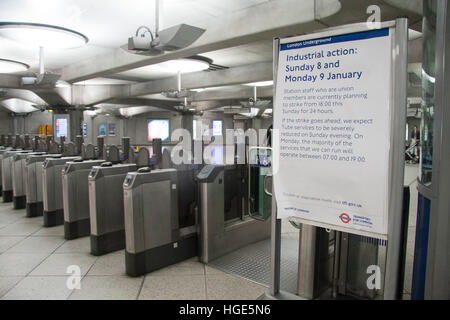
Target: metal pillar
{"x": 400, "y": 89}
{"x": 437, "y": 285}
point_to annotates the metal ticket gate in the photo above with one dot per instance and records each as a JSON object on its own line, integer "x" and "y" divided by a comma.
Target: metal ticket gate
{"x": 75, "y": 197}
{"x": 225, "y": 225}
{"x": 106, "y": 207}
{"x": 18, "y": 178}
{"x": 2, "y": 151}
{"x": 52, "y": 190}
{"x": 33, "y": 183}
{"x": 154, "y": 236}
{"x": 7, "y": 187}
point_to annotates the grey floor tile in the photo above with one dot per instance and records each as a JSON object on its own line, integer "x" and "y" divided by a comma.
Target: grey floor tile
{"x": 6, "y": 219}
{"x": 19, "y": 229}
{"x": 7, "y": 283}
{"x": 188, "y": 267}
{"x": 51, "y": 231}
{"x": 228, "y": 287}
{"x": 19, "y": 264}
{"x": 38, "y": 244}
{"x": 108, "y": 288}
{"x": 34, "y": 220}
{"x": 39, "y": 288}
{"x": 81, "y": 245}
{"x": 57, "y": 264}
{"x": 213, "y": 271}
{"x": 189, "y": 287}
{"x": 112, "y": 264}
{"x": 7, "y": 242}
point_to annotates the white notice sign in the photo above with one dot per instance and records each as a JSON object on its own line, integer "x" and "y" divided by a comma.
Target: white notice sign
{"x": 333, "y": 103}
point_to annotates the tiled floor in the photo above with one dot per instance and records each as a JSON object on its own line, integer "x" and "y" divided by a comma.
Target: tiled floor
{"x": 34, "y": 261}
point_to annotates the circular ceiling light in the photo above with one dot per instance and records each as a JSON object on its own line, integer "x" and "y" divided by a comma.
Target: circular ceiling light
{"x": 18, "y": 105}
{"x": 11, "y": 66}
{"x": 186, "y": 65}
{"x": 42, "y": 35}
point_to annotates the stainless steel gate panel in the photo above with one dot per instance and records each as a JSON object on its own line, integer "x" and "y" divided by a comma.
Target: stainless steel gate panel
{"x": 52, "y": 190}
{"x": 106, "y": 207}
{"x": 33, "y": 183}
{"x": 218, "y": 236}
{"x": 2, "y": 151}
{"x": 152, "y": 235}
{"x": 18, "y": 178}
{"x": 76, "y": 197}
{"x": 7, "y": 187}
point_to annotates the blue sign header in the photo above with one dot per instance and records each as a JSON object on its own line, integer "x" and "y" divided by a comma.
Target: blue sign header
{"x": 336, "y": 39}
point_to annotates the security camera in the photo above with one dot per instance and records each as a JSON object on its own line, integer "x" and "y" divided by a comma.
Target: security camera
{"x": 173, "y": 38}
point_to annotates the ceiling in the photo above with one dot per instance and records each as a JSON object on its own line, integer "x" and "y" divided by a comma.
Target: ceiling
{"x": 238, "y": 37}
{"x": 107, "y": 23}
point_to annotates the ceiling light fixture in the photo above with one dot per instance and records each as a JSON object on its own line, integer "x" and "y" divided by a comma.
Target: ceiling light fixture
{"x": 42, "y": 35}
{"x": 11, "y": 66}
{"x": 18, "y": 105}
{"x": 260, "y": 84}
{"x": 185, "y": 65}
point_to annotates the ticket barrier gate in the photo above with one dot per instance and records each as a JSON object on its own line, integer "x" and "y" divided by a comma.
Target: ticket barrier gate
{"x": 107, "y": 226}
{"x": 33, "y": 183}
{"x": 106, "y": 207}
{"x": 75, "y": 195}
{"x": 7, "y": 185}
{"x": 7, "y": 144}
{"x": 18, "y": 178}
{"x": 2, "y": 151}
{"x": 18, "y": 169}
{"x": 154, "y": 236}
{"x": 76, "y": 186}
{"x": 52, "y": 190}
{"x": 225, "y": 225}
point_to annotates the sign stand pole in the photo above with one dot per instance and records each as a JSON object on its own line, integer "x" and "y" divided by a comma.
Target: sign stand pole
{"x": 397, "y": 170}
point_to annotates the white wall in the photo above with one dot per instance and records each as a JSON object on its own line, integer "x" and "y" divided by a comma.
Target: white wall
{"x": 136, "y": 127}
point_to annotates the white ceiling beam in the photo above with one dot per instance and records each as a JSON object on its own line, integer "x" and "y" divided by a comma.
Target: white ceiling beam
{"x": 95, "y": 94}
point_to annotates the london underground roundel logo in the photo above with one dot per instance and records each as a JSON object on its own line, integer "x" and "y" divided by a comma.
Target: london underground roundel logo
{"x": 345, "y": 218}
